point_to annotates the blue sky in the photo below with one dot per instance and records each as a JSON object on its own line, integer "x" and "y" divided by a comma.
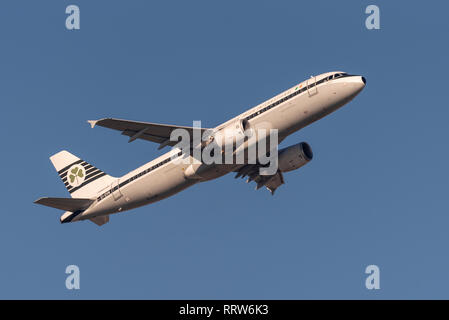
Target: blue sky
{"x": 375, "y": 193}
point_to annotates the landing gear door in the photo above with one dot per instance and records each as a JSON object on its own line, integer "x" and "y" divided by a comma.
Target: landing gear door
{"x": 115, "y": 190}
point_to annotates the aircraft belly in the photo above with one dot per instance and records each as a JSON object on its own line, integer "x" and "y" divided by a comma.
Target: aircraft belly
{"x": 214, "y": 171}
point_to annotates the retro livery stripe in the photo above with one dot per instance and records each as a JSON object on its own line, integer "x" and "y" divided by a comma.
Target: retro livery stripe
{"x": 91, "y": 174}
{"x": 87, "y": 182}
{"x": 72, "y": 216}
{"x": 88, "y": 179}
{"x": 65, "y": 170}
{"x": 68, "y": 167}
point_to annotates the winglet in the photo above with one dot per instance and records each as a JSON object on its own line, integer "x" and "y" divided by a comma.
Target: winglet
{"x": 92, "y": 123}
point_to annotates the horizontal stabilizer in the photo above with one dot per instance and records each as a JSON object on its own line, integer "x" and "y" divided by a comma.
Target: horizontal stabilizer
{"x": 67, "y": 204}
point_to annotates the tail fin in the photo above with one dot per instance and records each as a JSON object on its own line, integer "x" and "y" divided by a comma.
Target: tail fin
{"x": 81, "y": 179}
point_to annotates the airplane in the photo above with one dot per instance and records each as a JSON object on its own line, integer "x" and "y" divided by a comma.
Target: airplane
{"x": 95, "y": 195}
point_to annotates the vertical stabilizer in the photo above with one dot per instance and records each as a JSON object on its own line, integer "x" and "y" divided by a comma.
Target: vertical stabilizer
{"x": 81, "y": 179}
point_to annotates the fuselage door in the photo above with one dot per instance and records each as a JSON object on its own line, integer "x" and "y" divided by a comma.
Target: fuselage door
{"x": 311, "y": 86}
{"x": 115, "y": 190}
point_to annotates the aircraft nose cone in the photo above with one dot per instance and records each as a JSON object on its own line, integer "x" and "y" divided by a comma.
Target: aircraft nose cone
{"x": 358, "y": 83}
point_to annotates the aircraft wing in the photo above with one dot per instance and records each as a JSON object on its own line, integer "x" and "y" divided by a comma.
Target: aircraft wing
{"x": 154, "y": 132}
{"x": 271, "y": 182}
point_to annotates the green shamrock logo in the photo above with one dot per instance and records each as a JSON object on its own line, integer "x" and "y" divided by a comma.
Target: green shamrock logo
{"x": 76, "y": 176}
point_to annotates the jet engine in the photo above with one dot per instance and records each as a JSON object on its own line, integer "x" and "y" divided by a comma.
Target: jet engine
{"x": 235, "y": 131}
{"x": 294, "y": 157}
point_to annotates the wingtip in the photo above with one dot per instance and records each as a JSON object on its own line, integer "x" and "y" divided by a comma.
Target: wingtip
{"x": 92, "y": 123}
{"x": 37, "y": 201}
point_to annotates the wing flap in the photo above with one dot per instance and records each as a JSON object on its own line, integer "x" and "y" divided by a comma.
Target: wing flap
{"x": 271, "y": 182}
{"x": 133, "y": 135}
{"x": 274, "y": 182}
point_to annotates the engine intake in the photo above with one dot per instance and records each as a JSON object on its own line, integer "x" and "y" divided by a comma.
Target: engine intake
{"x": 294, "y": 157}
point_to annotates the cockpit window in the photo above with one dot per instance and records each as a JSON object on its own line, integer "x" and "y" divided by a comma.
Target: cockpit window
{"x": 339, "y": 75}
{"x": 336, "y": 76}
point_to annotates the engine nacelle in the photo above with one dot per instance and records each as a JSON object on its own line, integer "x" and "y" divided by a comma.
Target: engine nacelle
{"x": 294, "y": 157}
{"x": 229, "y": 134}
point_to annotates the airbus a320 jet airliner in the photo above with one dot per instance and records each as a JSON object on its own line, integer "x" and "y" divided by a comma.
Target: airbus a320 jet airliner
{"x": 95, "y": 195}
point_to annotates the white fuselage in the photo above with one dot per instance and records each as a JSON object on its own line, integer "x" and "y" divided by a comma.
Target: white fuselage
{"x": 287, "y": 112}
